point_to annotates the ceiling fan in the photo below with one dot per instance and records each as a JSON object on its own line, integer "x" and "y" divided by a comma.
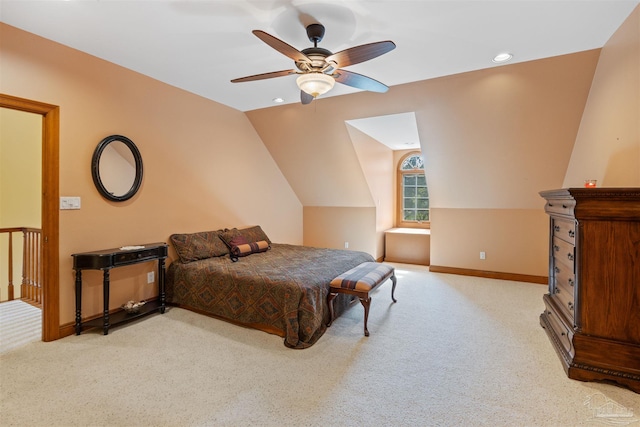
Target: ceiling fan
{"x": 318, "y": 69}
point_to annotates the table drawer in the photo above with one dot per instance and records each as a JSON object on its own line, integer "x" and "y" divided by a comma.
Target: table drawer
{"x": 136, "y": 256}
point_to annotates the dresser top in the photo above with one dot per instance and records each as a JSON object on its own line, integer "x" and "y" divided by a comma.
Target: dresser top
{"x": 626, "y": 193}
{"x": 595, "y": 203}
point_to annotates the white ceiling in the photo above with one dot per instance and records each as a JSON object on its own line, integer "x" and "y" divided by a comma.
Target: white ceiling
{"x": 200, "y": 45}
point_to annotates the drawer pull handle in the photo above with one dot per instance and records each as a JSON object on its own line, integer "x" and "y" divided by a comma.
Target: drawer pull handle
{"x": 570, "y": 305}
{"x": 572, "y": 233}
{"x": 570, "y": 256}
{"x": 556, "y": 228}
{"x": 556, "y": 248}
{"x": 570, "y": 282}
{"x": 564, "y": 206}
{"x": 556, "y": 269}
{"x": 556, "y": 290}
{"x": 550, "y": 205}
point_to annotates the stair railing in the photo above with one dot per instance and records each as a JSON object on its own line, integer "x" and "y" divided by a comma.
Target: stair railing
{"x": 31, "y": 286}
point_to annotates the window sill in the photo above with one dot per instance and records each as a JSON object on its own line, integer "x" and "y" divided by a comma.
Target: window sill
{"x": 404, "y": 230}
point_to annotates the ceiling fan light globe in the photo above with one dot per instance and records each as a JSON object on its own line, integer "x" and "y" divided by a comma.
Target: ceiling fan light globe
{"x": 315, "y": 84}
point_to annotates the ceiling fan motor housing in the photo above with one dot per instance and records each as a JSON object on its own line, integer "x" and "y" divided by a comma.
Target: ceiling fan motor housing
{"x": 317, "y": 56}
{"x": 315, "y": 32}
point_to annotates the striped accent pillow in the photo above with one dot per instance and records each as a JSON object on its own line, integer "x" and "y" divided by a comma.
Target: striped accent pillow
{"x": 241, "y": 247}
{"x": 363, "y": 277}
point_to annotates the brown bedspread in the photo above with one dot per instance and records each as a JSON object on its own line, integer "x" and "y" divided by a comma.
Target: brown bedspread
{"x": 283, "y": 290}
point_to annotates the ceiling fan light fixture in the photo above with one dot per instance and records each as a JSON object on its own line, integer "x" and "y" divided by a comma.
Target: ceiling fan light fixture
{"x": 315, "y": 84}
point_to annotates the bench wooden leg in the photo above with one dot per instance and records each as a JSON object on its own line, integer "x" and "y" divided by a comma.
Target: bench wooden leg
{"x": 393, "y": 288}
{"x": 332, "y": 296}
{"x": 366, "y": 302}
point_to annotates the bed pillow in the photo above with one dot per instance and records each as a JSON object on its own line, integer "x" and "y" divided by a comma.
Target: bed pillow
{"x": 202, "y": 245}
{"x": 240, "y": 246}
{"x": 252, "y": 234}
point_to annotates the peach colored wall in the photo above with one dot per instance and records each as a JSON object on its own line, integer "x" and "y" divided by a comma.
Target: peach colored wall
{"x": 204, "y": 165}
{"x": 331, "y": 227}
{"x": 20, "y": 187}
{"x": 408, "y": 245}
{"x": 492, "y": 139}
{"x": 608, "y": 144}
{"x": 376, "y": 161}
{"x": 514, "y": 240}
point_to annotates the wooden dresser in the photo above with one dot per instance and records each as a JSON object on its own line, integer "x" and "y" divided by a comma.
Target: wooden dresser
{"x": 592, "y": 310}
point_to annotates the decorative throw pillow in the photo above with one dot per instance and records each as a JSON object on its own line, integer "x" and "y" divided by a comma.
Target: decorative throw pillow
{"x": 227, "y": 235}
{"x": 252, "y": 234}
{"x": 195, "y": 246}
{"x": 240, "y": 246}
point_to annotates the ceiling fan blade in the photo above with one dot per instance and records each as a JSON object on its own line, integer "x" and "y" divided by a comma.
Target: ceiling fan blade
{"x": 305, "y": 98}
{"x": 359, "y": 81}
{"x": 358, "y": 54}
{"x": 282, "y": 47}
{"x": 264, "y": 76}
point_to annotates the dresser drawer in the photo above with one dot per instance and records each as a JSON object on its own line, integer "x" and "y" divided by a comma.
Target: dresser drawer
{"x": 564, "y": 294}
{"x": 564, "y": 229}
{"x": 560, "y": 206}
{"x": 561, "y": 331}
{"x": 564, "y": 253}
{"x": 564, "y": 277}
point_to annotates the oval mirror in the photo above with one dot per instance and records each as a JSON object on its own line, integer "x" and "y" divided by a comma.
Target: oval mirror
{"x": 116, "y": 168}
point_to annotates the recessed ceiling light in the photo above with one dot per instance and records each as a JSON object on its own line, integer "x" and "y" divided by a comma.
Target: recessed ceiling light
{"x": 502, "y": 57}
{"x": 278, "y": 100}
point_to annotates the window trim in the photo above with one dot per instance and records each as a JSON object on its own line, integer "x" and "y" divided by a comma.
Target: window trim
{"x": 399, "y": 194}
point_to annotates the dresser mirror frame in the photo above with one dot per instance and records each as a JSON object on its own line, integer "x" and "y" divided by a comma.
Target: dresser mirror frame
{"x": 122, "y": 154}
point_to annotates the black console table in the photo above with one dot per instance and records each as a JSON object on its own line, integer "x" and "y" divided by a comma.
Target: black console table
{"x": 107, "y": 259}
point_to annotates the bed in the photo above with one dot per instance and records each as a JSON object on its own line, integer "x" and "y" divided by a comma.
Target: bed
{"x": 277, "y": 288}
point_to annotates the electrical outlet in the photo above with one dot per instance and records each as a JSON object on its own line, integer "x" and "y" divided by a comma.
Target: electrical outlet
{"x": 346, "y": 245}
{"x": 151, "y": 277}
{"x": 483, "y": 255}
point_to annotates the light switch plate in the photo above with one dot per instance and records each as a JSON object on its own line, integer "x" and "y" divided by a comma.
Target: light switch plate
{"x": 69, "y": 202}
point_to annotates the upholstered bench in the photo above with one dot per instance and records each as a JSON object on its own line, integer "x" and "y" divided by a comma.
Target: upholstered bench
{"x": 359, "y": 281}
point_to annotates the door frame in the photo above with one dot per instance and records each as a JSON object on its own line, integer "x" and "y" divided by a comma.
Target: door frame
{"x": 50, "y": 212}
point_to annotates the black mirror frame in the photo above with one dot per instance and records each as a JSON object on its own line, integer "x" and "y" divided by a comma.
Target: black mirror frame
{"x": 95, "y": 168}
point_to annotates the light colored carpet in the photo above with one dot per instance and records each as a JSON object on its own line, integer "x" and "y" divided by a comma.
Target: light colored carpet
{"x": 20, "y": 324}
{"x": 453, "y": 351}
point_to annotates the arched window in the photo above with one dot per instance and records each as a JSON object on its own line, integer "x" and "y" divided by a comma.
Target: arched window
{"x": 413, "y": 194}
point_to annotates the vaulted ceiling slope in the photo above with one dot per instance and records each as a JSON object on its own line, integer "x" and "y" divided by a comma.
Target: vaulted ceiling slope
{"x": 491, "y": 138}
{"x": 200, "y": 46}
